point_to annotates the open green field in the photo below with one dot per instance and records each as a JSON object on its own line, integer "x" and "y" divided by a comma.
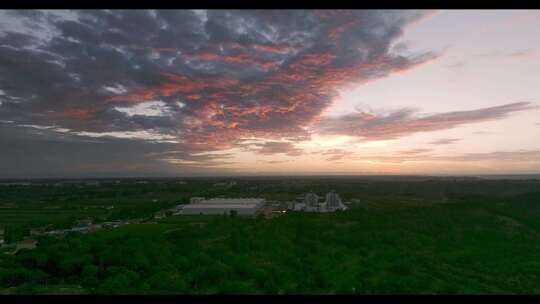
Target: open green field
{"x": 25, "y": 207}
{"x": 417, "y": 237}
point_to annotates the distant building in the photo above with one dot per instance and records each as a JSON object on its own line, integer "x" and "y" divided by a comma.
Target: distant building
{"x": 311, "y": 203}
{"x": 24, "y": 244}
{"x": 177, "y": 209}
{"x": 333, "y": 202}
{"x": 56, "y": 232}
{"x": 240, "y": 206}
{"x": 196, "y": 200}
{"x": 84, "y": 223}
{"x": 311, "y": 200}
{"x": 290, "y": 205}
{"x": 112, "y": 224}
{"x": 225, "y": 184}
{"x": 160, "y": 215}
{"x": 40, "y": 230}
{"x": 79, "y": 229}
{"x": 299, "y": 206}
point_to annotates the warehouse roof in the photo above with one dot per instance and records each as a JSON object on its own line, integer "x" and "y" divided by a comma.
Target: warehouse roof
{"x": 222, "y": 206}
{"x": 232, "y": 201}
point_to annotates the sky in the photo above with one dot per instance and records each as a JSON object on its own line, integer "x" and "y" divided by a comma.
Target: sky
{"x": 288, "y": 92}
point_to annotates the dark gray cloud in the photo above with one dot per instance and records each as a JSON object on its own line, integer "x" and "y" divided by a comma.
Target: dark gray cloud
{"x": 42, "y": 154}
{"x": 223, "y": 76}
{"x": 275, "y": 147}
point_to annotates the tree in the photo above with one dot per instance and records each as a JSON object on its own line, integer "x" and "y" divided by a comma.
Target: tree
{"x": 90, "y": 275}
{"x": 14, "y": 234}
{"x": 26, "y": 289}
{"x": 122, "y": 282}
{"x": 168, "y": 281}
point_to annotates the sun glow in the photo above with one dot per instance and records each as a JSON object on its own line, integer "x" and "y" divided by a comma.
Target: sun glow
{"x": 373, "y": 144}
{"x": 328, "y": 141}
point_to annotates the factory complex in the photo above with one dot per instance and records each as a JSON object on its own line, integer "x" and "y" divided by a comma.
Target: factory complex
{"x": 311, "y": 202}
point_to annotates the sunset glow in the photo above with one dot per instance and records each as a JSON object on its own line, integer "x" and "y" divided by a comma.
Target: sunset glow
{"x": 174, "y": 93}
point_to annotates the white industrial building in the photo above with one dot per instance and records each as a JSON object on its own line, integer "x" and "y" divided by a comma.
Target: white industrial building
{"x": 333, "y": 202}
{"x": 196, "y": 200}
{"x": 240, "y": 206}
{"x": 311, "y": 203}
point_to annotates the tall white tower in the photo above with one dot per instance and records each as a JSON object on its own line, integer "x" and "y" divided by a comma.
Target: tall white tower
{"x": 311, "y": 200}
{"x": 332, "y": 200}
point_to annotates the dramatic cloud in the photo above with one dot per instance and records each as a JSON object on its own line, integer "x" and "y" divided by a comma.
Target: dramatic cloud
{"x": 150, "y": 108}
{"x": 201, "y": 160}
{"x": 58, "y": 133}
{"x": 404, "y": 122}
{"x": 25, "y": 154}
{"x": 204, "y": 80}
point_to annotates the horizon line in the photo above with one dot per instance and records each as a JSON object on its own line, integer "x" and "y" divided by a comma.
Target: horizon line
{"x": 537, "y": 175}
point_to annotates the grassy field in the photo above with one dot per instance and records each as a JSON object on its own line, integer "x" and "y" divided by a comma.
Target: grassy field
{"x": 25, "y": 207}
{"x": 42, "y": 216}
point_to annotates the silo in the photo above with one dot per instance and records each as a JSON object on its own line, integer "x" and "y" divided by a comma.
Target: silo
{"x": 311, "y": 200}
{"x": 332, "y": 200}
